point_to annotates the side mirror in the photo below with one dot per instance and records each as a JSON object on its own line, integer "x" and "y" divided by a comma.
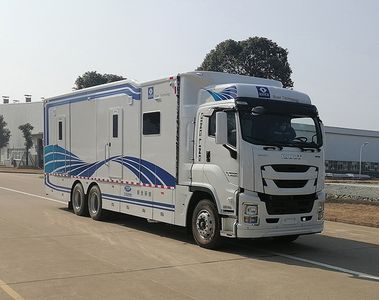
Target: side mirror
{"x": 221, "y": 128}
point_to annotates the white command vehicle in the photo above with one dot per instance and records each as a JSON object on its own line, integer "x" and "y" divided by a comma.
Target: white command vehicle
{"x": 226, "y": 155}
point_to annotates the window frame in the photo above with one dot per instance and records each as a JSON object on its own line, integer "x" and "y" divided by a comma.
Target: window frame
{"x": 149, "y": 133}
{"x": 213, "y": 135}
{"x": 115, "y": 129}
{"x": 60, "y": 130}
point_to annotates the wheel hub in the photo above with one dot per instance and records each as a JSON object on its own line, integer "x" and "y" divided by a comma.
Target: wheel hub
{"x": 94, "y": 203}
{"x": 205, "y": 224}
{"x": 77, "y": 200}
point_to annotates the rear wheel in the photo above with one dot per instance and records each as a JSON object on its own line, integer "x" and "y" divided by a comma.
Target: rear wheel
{"x": 95, "y": 204}
{"x": 206, "y": 225}
{"x": 79, "y": 201}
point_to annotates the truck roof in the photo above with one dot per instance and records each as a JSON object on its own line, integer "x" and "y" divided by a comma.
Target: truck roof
{"x": 223, "y": 78}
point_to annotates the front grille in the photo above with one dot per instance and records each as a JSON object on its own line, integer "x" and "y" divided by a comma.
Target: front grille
{"x": 290, "y": 168}
{"x": 282, "y": 205}
{"x": 288, "y": 184}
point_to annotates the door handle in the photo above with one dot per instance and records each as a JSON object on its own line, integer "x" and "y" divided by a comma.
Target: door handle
{"x": 105, "y": 154}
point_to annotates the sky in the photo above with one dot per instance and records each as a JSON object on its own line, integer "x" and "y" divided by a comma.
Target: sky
{"x": 333, "y": 45}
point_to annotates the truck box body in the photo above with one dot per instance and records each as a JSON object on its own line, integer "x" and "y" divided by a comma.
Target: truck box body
{"x": 151, "y": 150}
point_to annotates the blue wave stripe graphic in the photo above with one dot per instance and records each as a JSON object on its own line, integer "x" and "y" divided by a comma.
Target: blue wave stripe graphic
{"x": 51, "y": 149}
{"x": 226, "y": 94}
{"x": 52, "y": 167}
{"x": 59, "y": 156}
{"x": 56, "y": 187}
{"x": 133, "y": 89}
{"x": 147, "y": 203}
{"x": 153, "y": 178}
{"x": 86, "y": 171}
{"x": 92, "y": 168}
{"x": 148, "y": 172}
{"x": 135, "y": 168}
{"x": 68, "y": 168}
{"x": 163, "y": 175}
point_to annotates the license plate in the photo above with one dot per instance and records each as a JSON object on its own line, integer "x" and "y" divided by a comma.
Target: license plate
{"x": 289, "y": 221}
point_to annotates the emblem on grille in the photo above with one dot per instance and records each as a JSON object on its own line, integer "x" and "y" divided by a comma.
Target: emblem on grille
{"x": 292, "y": 156}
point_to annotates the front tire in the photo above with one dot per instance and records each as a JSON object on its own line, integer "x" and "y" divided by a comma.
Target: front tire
{"x": 206, "y": 225}
{"x": 95, "y": 204}
{"x": 79, "y": 201}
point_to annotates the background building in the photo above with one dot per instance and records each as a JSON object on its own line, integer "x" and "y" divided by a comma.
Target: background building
{"x": 16, "y": 114}
{"x": 343, "y": 147}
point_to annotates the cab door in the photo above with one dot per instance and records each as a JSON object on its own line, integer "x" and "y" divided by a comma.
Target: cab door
{"x": 221, "y": 168}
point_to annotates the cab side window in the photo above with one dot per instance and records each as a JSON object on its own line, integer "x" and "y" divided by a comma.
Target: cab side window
{"x": 212, "y": 125}
{"x": 232, "y": 130}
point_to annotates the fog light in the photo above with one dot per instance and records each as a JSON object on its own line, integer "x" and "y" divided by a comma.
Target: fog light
{"x": 251, "y": 210}
{"x": 251, "y": 220}
{"x": 320, "y": 212}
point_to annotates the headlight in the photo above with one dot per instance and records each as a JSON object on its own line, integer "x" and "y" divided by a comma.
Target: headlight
{"x": 251, "y": 210}
{"x": 251, "y": 214}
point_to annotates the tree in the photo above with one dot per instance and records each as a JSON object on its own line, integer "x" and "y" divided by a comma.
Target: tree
{"x": 92, "y": 78}
{"x": 27, "y": 134}
{"x": 256, "y": 56}
{"x": 5, "y": 133}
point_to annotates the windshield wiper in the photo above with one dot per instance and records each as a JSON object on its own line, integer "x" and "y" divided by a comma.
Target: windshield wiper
{"x": 267, "y": 144}
{"x": 304, "y": 147}
{"x": 273, "y": 147}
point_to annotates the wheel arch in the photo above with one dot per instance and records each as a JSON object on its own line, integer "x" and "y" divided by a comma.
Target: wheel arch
{"x": 91, "y": 185}
{"x": 72, "y": 187}
{"x": 199, "y": 193}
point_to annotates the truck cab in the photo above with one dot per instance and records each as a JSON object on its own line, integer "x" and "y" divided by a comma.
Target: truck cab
{"x": 259, "y": 150}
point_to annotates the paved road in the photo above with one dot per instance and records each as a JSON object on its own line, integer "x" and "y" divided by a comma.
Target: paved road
{"x": 46, "y": 252}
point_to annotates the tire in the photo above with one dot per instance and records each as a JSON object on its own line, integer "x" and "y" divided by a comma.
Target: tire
{"x": 286, "y": 238}
{"x": 206, "y": 225}
{"x": 79, "y": 201}
{"x": 95, "y": 204}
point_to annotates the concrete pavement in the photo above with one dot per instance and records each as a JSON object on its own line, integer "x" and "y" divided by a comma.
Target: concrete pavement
{"x": 46, "y": 252}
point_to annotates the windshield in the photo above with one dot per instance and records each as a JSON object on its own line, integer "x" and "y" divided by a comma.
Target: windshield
{"x": 281, "y": 129}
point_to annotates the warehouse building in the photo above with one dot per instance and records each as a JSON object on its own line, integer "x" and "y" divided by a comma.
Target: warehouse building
{"x": 16, "y": 114}
{"x": 345, "y": 147}
{"x": 343, "y": 150}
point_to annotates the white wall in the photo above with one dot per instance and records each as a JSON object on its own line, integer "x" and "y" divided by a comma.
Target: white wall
{"x": 16, "y": 114}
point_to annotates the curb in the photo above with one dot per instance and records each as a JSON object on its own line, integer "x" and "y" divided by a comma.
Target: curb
{"x": 21, "y": 171}
{"x": 351, "y": 222}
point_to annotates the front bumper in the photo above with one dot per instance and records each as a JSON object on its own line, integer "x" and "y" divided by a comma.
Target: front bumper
{"x": 289, "y": 224}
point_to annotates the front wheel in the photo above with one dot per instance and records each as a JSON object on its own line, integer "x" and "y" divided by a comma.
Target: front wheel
{"x": 95, "y": 204}
{"x": 206, "y": 225}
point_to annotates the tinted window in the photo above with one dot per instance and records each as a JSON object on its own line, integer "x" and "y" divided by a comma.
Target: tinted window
{"x": 60, "y": 130}
{"x": 115, "y": 126}
{"x": 152, "y": 123}
{"x": 212, "y": 125}
{"x": 232, "y": 131}
{"x": 283, "y": 130}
